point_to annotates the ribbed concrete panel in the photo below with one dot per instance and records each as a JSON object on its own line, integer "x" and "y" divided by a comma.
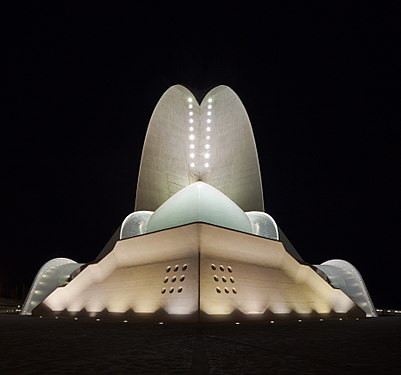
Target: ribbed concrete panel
{"x": 212, "y": 142}
{"x": 345, "y": 276}
{"x": 134, "y": 224}
{"x": 263, "y": 224}
{"x": 51, "y": 275}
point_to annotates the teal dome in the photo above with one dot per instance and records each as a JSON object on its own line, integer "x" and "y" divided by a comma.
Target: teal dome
{"x": 199, "y": 202}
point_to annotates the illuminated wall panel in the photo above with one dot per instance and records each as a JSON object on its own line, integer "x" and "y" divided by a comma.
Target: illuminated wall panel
{"x": 265, "y": 278}
{"x": 237, "y": 273}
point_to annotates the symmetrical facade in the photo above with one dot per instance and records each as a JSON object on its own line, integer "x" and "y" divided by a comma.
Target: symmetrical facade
{"x": 199, "y": 246}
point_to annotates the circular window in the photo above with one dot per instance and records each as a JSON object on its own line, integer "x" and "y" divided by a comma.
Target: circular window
{"x": 226, "y": 290}
{"x": 168, "y": 269}
{"x": 215, "y": 277}
{"x": 163, "y": 290}
{"x": 221, "y": 268}
{"x": 176, "y": 267}
{"x": 171, "y": 290}
{"x": 213, "y": 267}
{"x": 218, "y": 290}
{"x": 179, "y": 290}
{"x": 229, "y": 269}
{"x": 223, "y": 278}
{"x": 234, "y": 291}
{"x": 184, "y": 267}
{"x": 232, "y": 279}
{"x": 173, "y": 279}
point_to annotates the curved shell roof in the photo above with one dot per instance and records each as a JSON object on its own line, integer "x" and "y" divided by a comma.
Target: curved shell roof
{"x": 51, "y": 275}
{"x": 211, "y": 142}
{"x": 199, "y": 202}
{"x": 134, "y": 224}
{"x": 345, "y": 276}
{"x": 263, "y": 224}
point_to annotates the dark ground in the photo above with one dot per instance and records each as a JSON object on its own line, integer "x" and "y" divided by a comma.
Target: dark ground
{"x": 30, "y": 345}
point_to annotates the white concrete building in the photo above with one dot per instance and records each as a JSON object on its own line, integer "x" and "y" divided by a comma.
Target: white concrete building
{"x": 199, "y": 246}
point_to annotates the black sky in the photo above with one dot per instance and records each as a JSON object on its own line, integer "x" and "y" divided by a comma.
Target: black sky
{"x": 321, "y": 85}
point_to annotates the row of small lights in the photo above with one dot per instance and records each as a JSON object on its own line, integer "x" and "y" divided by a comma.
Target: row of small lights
{"x": 97, "y": 319}
{"x": 300, "y": 320}
{"x": 208, "y": 129}
{"x": 236, "y": 323}
{"x": 389, "y": 311}
{"x": 191, "y": 132}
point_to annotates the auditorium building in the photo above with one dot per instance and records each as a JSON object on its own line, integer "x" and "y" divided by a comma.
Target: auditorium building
{"x": 199, "y": 245}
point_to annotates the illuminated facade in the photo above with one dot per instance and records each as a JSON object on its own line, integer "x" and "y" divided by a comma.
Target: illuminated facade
{"x": 199, "y": 246}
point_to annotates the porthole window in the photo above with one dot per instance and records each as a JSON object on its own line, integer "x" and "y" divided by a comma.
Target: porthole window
{"x": 168, "y": 269}
{"x": 165, "y": 279}
{"x": 215, "y": 277}
{"x": 223, "y": 278}
{"x": 213, "y": 267}
{"x": 171, "y": 290}
{"x": 176, "y": 267}
{"x": 173, "y": 279}
{"x": 218, "y": 290}
{"x": 221, "y": 268}
{"x": 164, "y": 290}
{"x": 234, "y": 291}
{"x": 184, "y": 267}
{"x": 226, "y": 290}
{"x": 179, "y": 290}
{"x": 229, "y": 269}
{"x": 232, "y": 279}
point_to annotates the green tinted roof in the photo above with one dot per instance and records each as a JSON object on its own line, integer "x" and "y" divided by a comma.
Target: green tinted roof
{"x": 199, "y": 202}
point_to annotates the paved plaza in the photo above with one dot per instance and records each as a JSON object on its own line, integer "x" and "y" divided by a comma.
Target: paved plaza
{"x": 33, "y": 345}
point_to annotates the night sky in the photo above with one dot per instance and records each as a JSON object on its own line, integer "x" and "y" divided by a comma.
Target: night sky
{"x": 320, "y": 83}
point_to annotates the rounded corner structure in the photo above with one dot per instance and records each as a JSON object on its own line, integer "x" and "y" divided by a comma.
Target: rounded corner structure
{"x": 263, "y": 225}
{"x": 183, "y": 89}
{"x": 345, "y": 276}
{"x": 217, "y": 90}
{"x": 51, "y": 275}
{"x": 134, "y": 224}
